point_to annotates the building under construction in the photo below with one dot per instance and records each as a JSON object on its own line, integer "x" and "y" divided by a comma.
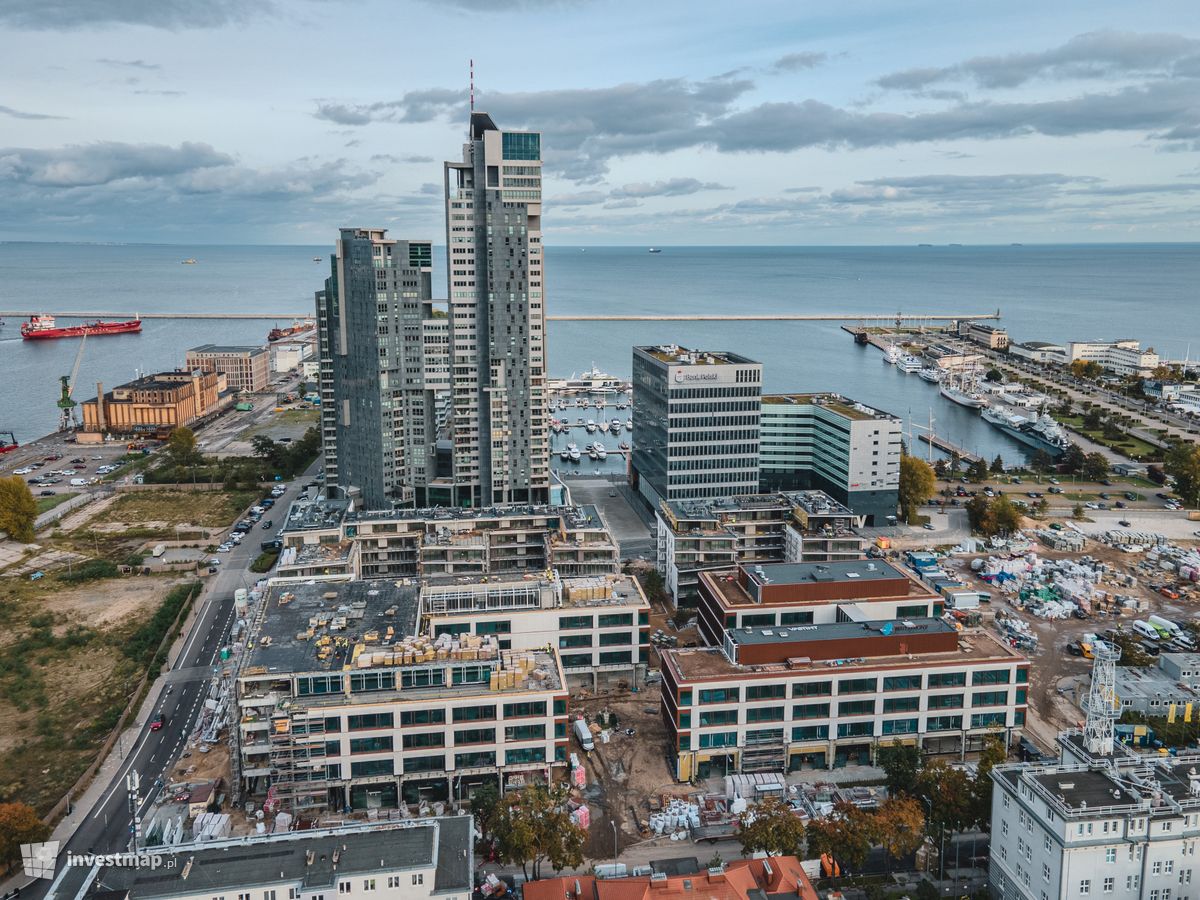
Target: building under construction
{"x": 344, "y": 703}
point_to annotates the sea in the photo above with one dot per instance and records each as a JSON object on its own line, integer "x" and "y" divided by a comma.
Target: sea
{"x": 1043, "y": 292}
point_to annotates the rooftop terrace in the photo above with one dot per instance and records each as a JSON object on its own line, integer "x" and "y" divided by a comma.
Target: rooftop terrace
{"x": 851, "y": 409}
{"x": 314, "y": 515}
{"x": 814, "y": 503}
{"x": 674, "y": 355}
{"x": 586, "y": 516}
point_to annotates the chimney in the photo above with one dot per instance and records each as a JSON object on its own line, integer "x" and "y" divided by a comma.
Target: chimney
{"x": 99, "y": 406}
{"x": 716, "y": 874}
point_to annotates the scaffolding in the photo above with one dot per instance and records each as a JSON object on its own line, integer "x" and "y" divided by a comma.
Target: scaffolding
{"x": 299, "y": 782}
{"x": 1101, "y": 704}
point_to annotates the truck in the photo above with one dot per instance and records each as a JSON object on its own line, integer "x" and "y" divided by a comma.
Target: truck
{"x": 1172, "y": 630}
{"x": 585, "y": 736}
{"x": 244, "y": 406}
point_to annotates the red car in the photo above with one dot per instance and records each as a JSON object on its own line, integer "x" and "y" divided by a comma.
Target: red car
{"x": 158, "y": 722}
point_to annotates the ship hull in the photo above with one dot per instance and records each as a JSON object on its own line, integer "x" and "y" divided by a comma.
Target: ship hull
{"x": 1027, "y": 438}
{"x": 961, "y": 399}
{"x": 94, "y": 329}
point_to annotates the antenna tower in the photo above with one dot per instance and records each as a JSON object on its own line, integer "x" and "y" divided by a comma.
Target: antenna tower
{"x": 472, "y": 85}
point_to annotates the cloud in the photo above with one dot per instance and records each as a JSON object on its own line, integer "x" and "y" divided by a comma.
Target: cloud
{"x": 626, "y": 203}
{"x": 955, "y": 188}
{"x": 673, "y": 187}
{"x": 103, "y": 163}
{"x": 414, "y": 106}
{"x": 130, "y": 64}
{"x": 71, "y": 15}
{"x": 1096, "y": 54}
{"x": 583, "y": 198}
{"x": 20, "y": 114}
{"x": 795, "y": 62}
{"x": 153, "y": 93}
{"x": 502, "y": 6}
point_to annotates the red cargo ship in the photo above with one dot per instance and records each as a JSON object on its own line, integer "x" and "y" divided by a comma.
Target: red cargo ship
{"x": 41, "y": 328}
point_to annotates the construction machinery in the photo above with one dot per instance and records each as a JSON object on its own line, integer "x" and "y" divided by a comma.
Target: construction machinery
{"x": 8, "y": 441}
{"x": 68, "y": 415}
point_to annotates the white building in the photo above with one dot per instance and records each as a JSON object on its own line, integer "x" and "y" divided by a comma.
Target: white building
{"x": 415, "y": 860}
{"x": 1039, "y": 351}
{"x": 286, "y": 356}
{"x": 1125, "y": 357}
{"x": 1124, "y": 827}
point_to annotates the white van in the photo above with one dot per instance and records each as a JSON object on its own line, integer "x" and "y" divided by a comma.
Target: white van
{"x": 1145, "y": 629}
{"x": 79, "y": 482}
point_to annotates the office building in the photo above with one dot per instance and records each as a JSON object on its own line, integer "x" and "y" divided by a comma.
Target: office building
{"x": 828, "y": 442}
{"x": 832, "y": 679}
{"x": 245, "y": 368}
{"x": 378, "y": 414}
{"x": 328, "y": 539}
{"x": 988, "y": 335}
{"x": 600, "y": 625}
{"x": 1170, "y": 687}
{"x": 501, "y": 435}
{"x": 695, "y": 423}
{"x": 1125, "y": 357}
{"x": 1124, "y": 825}
{"x": 1039, "y": 351}
{"x": 153, "y": 405}
{"x": 420, "y": 859}
{"x": 694, "y": 536}
{"x": 779, "y": 878}
{"x": 346, "y": 702}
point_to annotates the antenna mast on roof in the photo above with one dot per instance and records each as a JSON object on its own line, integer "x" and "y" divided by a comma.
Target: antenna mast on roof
{"x": 472, "y": 85}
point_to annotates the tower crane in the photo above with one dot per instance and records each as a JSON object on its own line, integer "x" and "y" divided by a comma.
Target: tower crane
{"x": 68, "y": 417}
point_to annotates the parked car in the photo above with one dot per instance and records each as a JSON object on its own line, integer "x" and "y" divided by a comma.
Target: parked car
{"x": 267, "y": 525}
{"x": 45, "y": 493}
{"x": 1054, "y": 490}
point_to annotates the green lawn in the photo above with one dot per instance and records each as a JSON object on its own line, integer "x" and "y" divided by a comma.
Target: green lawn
{"x": 45, "y": 504}
{"x": 1126, "y": 445}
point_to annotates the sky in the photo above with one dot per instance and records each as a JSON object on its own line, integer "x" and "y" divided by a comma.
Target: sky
{"x": 759, "y": 122}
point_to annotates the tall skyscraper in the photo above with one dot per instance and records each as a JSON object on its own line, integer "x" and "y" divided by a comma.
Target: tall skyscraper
{"x": 378, "y": 413}
{"x": 497, "y": 318}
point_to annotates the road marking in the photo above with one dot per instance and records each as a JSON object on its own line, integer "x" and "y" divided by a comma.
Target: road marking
{"x": 121, "y": 775}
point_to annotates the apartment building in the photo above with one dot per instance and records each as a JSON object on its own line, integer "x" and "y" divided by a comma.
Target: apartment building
{"x": 695, "y": 423}
{"x": 510, "y": 540}
{"x": 600, "y": 625}
{"x": 831, "y": 443}
{"x": 420, "y": 859}
{"x": 790, "y": 594}
{"x": 245, "y": 368}
{"x": 501, "y": 429}
{"x": 1125, "y": 357}
{"x": 825, "y": 694}
{"x": 345, "y": 702}
{"x": 1125, "y": 826}
{"x": 694, "y": 536}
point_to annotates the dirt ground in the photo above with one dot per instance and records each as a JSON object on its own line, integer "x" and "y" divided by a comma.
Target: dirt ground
{"x": 166, "y": 509}
{"x": 105, "y": 603}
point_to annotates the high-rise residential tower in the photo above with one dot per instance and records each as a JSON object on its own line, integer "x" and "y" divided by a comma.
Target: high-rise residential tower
{"x": 378, "y": 412}
{"x": 497, "y": 318}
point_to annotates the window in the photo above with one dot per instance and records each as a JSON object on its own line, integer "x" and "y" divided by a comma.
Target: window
{"x": 616, "y": 657}
{"x": 810, "y": 733}
{"x": 393, "y": 881}
{"x": 371, "y": 744}
{"x": 765, "y": 714}
{"x": 524, "y": 755}
{"x": 709, "y": 717}
{"x": 319, "y": 684}
{"x": 568, "y": 623}
{"x": 372, "y": 681}
{"x": 947, "y": 679}
{"x": 525, "y": 732}
{"x": 474, "y": 713}
{"x": 369, "y": 720}
{"x": 810, "y": 711}
{"x": 858, "y": 685}
{"x": 524, "y": 710}
{"x": 370, "y": 767}
{"x": 423, "y": 717}
{"x": 1085, "y": 886}
{"x": 1045, "y": 872}
{"x": 795, "y": 618}
{"x": 419, "y": 878}
{"x": 900, "y": 726}
{"x": 615, "y": 638}
{"x": 243, "y": 897}
{"x": 856, "y": 708}
{"x": 496, "y": 627}
{"x": 766, "y": 692}
{"x": 989, "y": 698}
{"x": 268, "y": 895}
{"x": 902, "y": 682}
{"x": 423, "y": 739}
{"x": 475, "y": 736}
{"x": 478, "y": 759}
{"x": 1169, "y": 867}
{"x": 1156, "y": 867}
{"x": 988, "y": 720}
{"x": 718, "y": 739}
{"x": 424, "y": 764}
{"x": 615, "y": 620}
{"x": 990, "y": 676}
{"x": 1108, "y": 885}
{"x": 812, "y": 689}
{"x": 567, "y": 641}
{"x": 1110, "y": 855}
{"x": 720, "y": 695}
{"x": 901, "y": 704}
{"x": 293, "y": 893}
{"x": 343, "y": 887}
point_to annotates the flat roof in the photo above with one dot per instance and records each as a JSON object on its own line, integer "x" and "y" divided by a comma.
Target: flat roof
{"x": 228, "y": 348}
{"x": 312, "y": 515}
{"x": 342, "y": 611}
{"x": 841, "y": 571}
{"x": 851, "y": 409}
{"x": 219, "y": 867}
{"x": 836, "y": 631}
{"x": 814, "y": 503}
{"x": 710, "y": 663}
{"x": 581, "y": 516}
{"x": 674, "y": 355}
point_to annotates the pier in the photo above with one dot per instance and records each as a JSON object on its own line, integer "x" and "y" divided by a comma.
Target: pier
{"x": 892, "y": 318}
{"x": 947, "y": 447}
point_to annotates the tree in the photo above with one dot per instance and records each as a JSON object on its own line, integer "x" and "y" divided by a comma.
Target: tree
{"x": 654, "y": 586}
{"x": 263, "y": 447}
{"x": 1041, "y": 507}
{"x": 948, "y": 791}
{"x": 978, "y": 471}
{"x": 19, "y": 824}
{"x": 1073, "y": 459}
{"x": 1095, "y": 467}
{"x": 997, "y": 464}
{"x": 532, "y": 827}
{"x": 994, "y": 752}
{"x": 979, "y": 514}
{"x": 1182, "y": 463}
{"x": 846, "y": 834}
{"x": 917, "y": 485}
{"x": 900, "y": 825}
{"x": 1041, "y": 461}
{"x": 485, "y": 805}
{"x": 1006, "y": 518}
{"x": 902, "y": 766}
{"x": 1077, "y": 512}
{"x": 941, "y": 468}
{"x": 1092, "y": 419}
{"x": 771, "y": 827}
{"x": 18, "y": 509}
{"x": 994, "y": 375}
{"x": 181, "y": 448}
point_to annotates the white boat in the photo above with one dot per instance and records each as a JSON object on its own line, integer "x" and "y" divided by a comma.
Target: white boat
{"x": 564, "y": 455}
{"x": 600, "y": 450}
{"x": 592, "y": 381}
{"x": 893, "y": 354}
{"x": 962, "y": 397}
{"x": 909, "y": 363}
{"x": 575, "y": 455}
{"x": 629, "y": 424}
{"x": 579, "y": 423}
{"x": 591, "y": 425}
{"x": 931, "y": 373}
{"x": 573, "y": 451}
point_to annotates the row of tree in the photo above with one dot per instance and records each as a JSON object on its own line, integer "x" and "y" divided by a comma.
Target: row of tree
{"x": 531, "y": 827}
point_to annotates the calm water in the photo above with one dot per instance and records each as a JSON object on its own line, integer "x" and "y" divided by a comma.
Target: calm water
{"x": 1144, "y": 291}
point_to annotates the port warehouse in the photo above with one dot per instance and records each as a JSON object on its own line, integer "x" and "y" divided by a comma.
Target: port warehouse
{"x": 845, "y": 657}
{"x": 154, "y": 405}
{"x": 694, "y": 536}
{"x": 366, "y": 693}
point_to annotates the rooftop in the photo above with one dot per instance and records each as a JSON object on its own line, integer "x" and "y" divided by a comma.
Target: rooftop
{"x": 814, "y": 503}
{"x": 587, "y": 516}
{"x": 228, "y": 349}
{"x": 674, "y": 355}
{"x": 314, "y": 515}
{"x": 229, "y": 866}
{"x": 466, "y": 595}
{"x": 1040, "y": 345}
{"x": 780, "y": 878}
{"x": 710, "y": 663}
{"x": 839, "y": 571}
{"x": 299, "y": 618}
{"x": 836, "y": 631}
{"x": 1153, "y": 682}
{"x": 851, "y": 409}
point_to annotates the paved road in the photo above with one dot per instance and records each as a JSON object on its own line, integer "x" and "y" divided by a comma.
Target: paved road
{"x": 107, "y": 825}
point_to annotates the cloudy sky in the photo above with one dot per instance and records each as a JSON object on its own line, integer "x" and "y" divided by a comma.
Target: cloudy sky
{"x": 760, "y": 122}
